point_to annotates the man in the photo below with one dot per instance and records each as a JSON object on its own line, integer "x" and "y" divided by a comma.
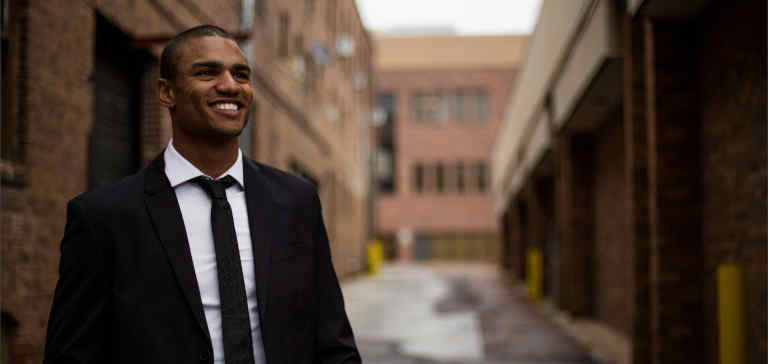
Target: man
{"x": 205, "y": 255}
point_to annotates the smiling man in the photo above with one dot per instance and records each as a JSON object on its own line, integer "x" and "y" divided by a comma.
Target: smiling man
{"x": 205, "y": 255}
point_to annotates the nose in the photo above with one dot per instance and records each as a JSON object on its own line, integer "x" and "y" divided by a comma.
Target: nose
{"x": 227, "y": 85}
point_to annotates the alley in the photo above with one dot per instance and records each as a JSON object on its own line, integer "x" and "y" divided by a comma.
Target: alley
{"x": 428, "y": 314}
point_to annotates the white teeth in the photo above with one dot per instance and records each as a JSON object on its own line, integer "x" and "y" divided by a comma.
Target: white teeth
{"x": 226, "y": 106}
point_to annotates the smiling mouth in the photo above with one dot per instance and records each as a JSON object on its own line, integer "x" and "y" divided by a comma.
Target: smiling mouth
{"x": 227, "y": 107}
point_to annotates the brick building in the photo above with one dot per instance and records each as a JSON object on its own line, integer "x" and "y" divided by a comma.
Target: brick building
{"x": 79, "y": 110}
{"x": 632, "y": 156}
{"x": 313, "y": 107}
{"x": 442, "y": 99}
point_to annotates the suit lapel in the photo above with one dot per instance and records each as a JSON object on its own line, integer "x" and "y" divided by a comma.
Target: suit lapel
{"x": 169, "y": 225}
{"x": 260, "y": 211}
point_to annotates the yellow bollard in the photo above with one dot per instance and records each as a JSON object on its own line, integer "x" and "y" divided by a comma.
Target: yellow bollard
{"x": 534, "y": 274}
{"x": 375, "y": 256}
{"x": 730, "y": 300}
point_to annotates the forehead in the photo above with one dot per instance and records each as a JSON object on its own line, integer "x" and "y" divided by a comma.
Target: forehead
{"x": 209, "y": 48}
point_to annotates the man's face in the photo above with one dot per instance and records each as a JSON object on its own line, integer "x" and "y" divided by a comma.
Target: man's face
{"x": 211, "y": 93}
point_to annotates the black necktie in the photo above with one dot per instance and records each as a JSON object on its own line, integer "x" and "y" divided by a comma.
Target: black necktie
{"x": 236, "y": 325}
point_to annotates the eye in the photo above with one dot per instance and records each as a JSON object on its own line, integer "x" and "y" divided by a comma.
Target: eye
{"x": 242, "y": 75}
{"x": 206, "y": 72}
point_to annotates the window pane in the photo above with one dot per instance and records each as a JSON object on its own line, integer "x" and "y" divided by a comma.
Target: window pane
{"x": 481, "y": 177}
{"x": 460, "y": 177}
{"x": 482, "y": 106}
{"x": 461, "y": 107}
{"x": 440, "y": 179}
{"x": 418, "y": 178}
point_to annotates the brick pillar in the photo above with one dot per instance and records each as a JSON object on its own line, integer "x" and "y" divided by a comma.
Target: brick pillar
{"x": 574, "y": 210}
{"x": 519, "y": 219}
{"x": 533, "y": 221}
{"x": 514, "y": 239}
{"x": 155, "y": 119}
{"x": 636, "y": 175}
{"x": 534, "y": 215}
{"x": 544, "y": 197}
{"x": 673, "y": 165}
{"x": 537, "y": 196}
{"x": 505, "y": 241}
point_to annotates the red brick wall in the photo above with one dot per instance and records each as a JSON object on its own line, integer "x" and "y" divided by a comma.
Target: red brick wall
{"x": 613, "y": 295}
{"x": 435, "y": 142}
{"x": 58, "y": 115}
{"x": 676, "y": 306}
{"x": 57, "y": 112}
{"x": 732, "y": 78}
{"x": 574, "y": 214}
{"x": 637, "y": 218}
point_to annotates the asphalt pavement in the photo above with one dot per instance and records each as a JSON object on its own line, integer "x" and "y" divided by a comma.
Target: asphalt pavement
{"x": 451, "y": 314}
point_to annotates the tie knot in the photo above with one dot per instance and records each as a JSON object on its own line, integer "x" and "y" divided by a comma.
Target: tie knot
{"x": 215, "y": 188}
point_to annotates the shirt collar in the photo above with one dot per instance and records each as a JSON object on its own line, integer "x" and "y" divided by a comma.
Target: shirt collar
{"x": 179, "y": 170}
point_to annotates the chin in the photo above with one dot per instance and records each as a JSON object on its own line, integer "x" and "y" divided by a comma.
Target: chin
{"x": 227, "y": 134}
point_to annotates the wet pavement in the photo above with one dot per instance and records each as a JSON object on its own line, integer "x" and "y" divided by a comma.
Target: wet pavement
{"x": 451, "y": 313}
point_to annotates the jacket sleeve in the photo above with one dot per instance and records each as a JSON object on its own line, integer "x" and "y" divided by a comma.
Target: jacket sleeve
{"x": 334, "y": 341}
{"x": 78, "y": 329}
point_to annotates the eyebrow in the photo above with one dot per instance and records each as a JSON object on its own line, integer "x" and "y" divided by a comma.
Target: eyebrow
{"x": 212, "y": 64}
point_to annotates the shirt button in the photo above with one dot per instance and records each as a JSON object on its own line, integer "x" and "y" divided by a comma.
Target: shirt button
{"x": 203, "y": 356}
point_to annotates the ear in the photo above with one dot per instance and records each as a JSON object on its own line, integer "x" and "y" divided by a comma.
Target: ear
{"x": 165, "y": 93}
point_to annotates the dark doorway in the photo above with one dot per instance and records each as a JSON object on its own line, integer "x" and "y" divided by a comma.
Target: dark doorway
{"x": 114, "y": 144}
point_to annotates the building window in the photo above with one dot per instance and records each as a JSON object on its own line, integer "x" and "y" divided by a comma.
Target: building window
{"x": 482, "y": 177}
{"x": 460, "y": 177}
{"x": 386, "y": 151}
{"x": 431, "y": 107}
{"x": 9, "y": 128}
{"x": 471, "y": 105}
{"x": 14, "y": 89}
{"x": 439, "y": 178}
{"x": 114, "y": 142}
{"x": 282, "y": 36}
{"x": 418, "y": 178}
{"x": 454, "y": 105}
{"x": 259, "y": 7}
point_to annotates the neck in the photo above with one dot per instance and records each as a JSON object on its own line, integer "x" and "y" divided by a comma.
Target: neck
{"x": 211, "y": 158}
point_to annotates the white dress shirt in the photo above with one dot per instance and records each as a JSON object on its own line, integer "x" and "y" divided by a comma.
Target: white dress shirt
{"x": 196, "y": 211}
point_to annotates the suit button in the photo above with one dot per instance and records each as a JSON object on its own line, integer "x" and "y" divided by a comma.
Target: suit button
{"x": 203, "y": 356}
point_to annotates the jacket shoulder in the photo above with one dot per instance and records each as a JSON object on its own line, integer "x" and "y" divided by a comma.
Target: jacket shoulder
{"x": 286, "y": 187}
{"x": 111, "y": 196}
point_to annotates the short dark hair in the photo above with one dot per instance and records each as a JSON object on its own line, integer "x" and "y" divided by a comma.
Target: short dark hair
{"x": 169, "y": 57}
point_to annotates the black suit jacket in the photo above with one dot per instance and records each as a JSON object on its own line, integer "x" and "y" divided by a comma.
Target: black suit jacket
{"x": 127, "y": 291}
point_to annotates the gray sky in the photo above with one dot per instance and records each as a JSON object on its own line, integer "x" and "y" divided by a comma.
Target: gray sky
{"x": 464, "y": 16}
